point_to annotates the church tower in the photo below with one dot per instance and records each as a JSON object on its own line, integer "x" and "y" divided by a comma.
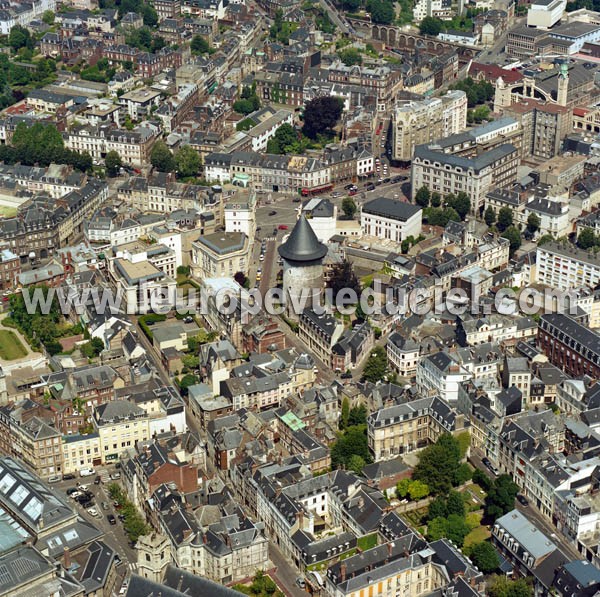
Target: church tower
{"x": 153, "y": 556}
{"x": 302, "y": 256}
{"x": 563, "y": 85}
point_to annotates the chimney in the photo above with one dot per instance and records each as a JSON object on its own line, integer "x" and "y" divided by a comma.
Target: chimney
{"x": 343, "y": 572}
{"x": 186, "y": 533}
{"x": 389, "y": 549}
{"x": 204, "y": 539}
{"x": 66, "y": 558}
{"x": 300, "y": 519}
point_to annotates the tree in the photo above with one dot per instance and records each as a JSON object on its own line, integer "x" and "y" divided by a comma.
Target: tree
{"x": 350, "y": 56}
{"x": 376, "y": 365}
{"x": 430, "y": 26}
{"x": 187, "y": 161}
{"x": 356, "y": 463}
{"x": 199, "y": 45}
{"x": 533, "y": 222}
{"x": 546, "y": 238}
{"x": 505, "y": 218}
{"x": 437, "y": 464}
{"x": 345, "y": 414}
{"x": 241, "y": 279}
{"x": 382, "y": 11}
{"x": 162, "y": 158}
{"x": 358, "y": 415}
{"x": 437, "y": 509}
{"x": 513, "y": 236}
{"x": 352, "y": 442}
{"x": 349, "y": 207}
{"x": 490, "y": 216}
{"x": 436, "y": 199}
{"x": 284, "y": 141}
{"x": 149, "y": 15}
{"x": 456, "y": 504}
{"x": 501, "y": 586}
{"x": 463, "y": 474}
{"x": 343, "y": 277}
{"x": 48, "y": 17}
{"x": 501, "y": 497}
{"x": 422, "y": 197}
{"x": 586, "y": 239}
{"x": 482, "y": 479}
{"x": 113, "y": 162}
{"x": 461, "y": 204}
{"x": 351, "y": 5}
{"x": 19, "y": 37}
{"x": 485, "y": 557}
{"x": 402, "y": 487}
{"x": 436, "y": 529}
{"x": 243, "y": 106}
{"x": 321, "y": 114}
{"x": 187, "y": 381}
{"x": 418, "y": 490}
{"x": 457, "y": 529}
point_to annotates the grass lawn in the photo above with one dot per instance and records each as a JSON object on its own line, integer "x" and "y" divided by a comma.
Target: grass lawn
{"x": 8, "y": 212}
{"x": 11, "y": 347}
{"x": 367, "y": 542}
{"x": 477, "y": 536}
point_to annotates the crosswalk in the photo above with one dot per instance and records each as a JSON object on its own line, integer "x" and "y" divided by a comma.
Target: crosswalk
{"x": 269, "y": 239}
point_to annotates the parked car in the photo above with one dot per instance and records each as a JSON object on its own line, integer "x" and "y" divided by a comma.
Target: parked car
{"x": 93, "y": 512}
{"x": 272, "y": 213}
{"x": 87, "y": 472}
{"x": 115, "y": 476}
{"x": 283, "y": 227}
{"x": 370, "y": 187}
{"x": 97, "y": 480}
{"x": 301, "y": 582}
{"x": 105, "y": 505}
{"x": 522, "y": 500}
{"x": 54, "y": 478}
{"x": 68, "y": 477}
{"x": 72, "y": 490}
{"x": 296, "y": 200}
{"x": 111, "y": 519}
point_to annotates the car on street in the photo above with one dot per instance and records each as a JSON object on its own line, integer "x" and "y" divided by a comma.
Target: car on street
{"x": 68, "y": 477}
{"x": 336, "y": 194}
{"x": 105, "y": 505}
{"x": 370, "y": 187}
{"x": 301, "y": 582}
{"x": 111, "y": 519}
{"x": 283, "y": 227}
{"x": 72, "y": 490}
{"x": 121, "y": 517}
{"x": 486, "y": 462}
{"x": 522, "y": 500}
{"x": 93, "y": 512}
{"x": 296, "y": 200}
{"x": 116, "y": 476}
{"x": 82, "y": 487}
{"x": 272, "y": 213}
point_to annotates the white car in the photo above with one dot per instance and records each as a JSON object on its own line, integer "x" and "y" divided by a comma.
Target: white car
{"x": 82, "y": 487}
{"x": 93, "y": 512}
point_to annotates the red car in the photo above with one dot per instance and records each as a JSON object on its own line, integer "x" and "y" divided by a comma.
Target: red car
{"x": 282, "y": 227}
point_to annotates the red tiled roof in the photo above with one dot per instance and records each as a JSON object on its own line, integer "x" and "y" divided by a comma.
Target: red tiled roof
{"x": 493, "y": 71}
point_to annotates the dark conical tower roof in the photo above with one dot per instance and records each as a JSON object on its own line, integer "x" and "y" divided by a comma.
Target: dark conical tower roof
{"x": 302, "y": 245}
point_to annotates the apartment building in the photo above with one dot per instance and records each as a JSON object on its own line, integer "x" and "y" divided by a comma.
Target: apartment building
{"x": 382, "y": 80}
{"x": 32, "y": 440}
{"x": 408, "y": 427}
{"x": 438, "y": 374}
{"x": 120, "y": 425}
{"x": 402, "y": 354}
{"x": 572, "y": 347}
{"x": 81, "y": 451}
{"x": 450, "y": 174}
{"x": 566, "y": 266}
{"x": 320, "y": 332}
{"x": 267, "y": 126}
{"x": 420, "y": 122}
{"x": 391, "y": 219}
{"x": 139, "y": 103}
{"x": 221, "y": 254}
{"x": 10, "y": 268}
{"x": 133, "y": 146}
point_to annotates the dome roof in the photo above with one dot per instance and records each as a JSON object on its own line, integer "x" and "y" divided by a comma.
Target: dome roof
{"x": 302, "y": 245}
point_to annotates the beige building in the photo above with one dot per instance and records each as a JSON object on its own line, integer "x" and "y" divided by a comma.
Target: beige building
{"x": 120, "y": 425}
{"x": 405, "y": 428}
{"x": 221, "y": 254}
{"x": 450, "y": 174}
{"x": 418, "y": 122}
{"x": 80, "y": 451}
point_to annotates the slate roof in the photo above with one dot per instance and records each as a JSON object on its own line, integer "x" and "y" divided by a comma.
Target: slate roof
{"x": 302, "y": 245}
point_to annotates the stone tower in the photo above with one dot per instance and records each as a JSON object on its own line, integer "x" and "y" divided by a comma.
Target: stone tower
{"x": 302, "y": 256}
{"x": 153, "y": 556}
{"x": 3, "y": 389}
{"x": 563, "y": 85}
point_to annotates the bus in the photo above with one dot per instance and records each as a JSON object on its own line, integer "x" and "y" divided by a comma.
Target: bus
{"x": 317, "y": 191}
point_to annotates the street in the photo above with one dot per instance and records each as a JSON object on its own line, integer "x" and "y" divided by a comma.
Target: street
{"x": 286, "y": 573}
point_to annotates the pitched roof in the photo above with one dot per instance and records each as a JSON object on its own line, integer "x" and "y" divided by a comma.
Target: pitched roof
{"x": 302, "y": 244}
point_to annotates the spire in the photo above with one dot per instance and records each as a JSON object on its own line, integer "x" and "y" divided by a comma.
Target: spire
{"x": 302, "y": 245}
